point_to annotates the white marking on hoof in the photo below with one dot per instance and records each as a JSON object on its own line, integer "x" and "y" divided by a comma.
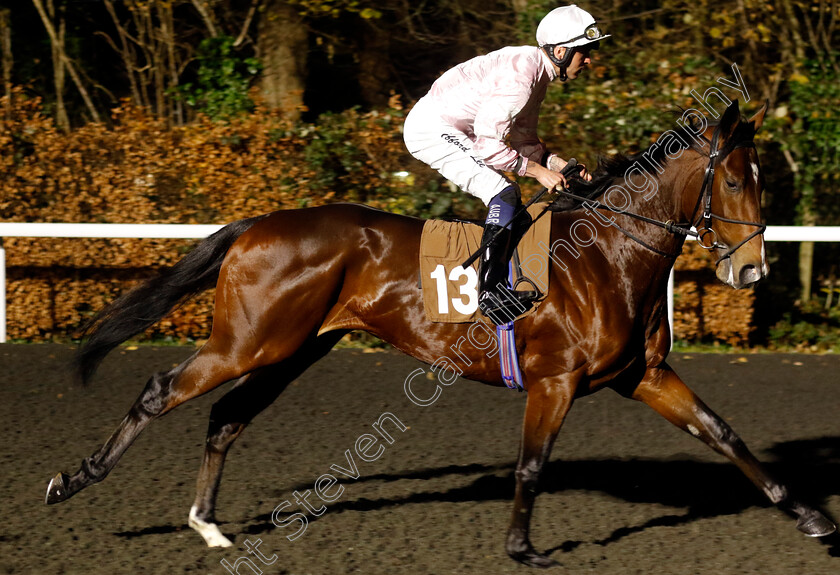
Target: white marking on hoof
{"x": 693, "y": 430}
{"x": 57, "y": 484}
{"x": 209, "y": 531}
{"x": 49, "y": 488}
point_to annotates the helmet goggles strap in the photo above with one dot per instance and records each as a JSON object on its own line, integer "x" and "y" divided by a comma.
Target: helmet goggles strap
{"x": 561, "y": 63}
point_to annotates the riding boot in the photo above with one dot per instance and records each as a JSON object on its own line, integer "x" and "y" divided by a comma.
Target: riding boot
{"x": 496, "y": 299}
{"x": 518, "y": 229}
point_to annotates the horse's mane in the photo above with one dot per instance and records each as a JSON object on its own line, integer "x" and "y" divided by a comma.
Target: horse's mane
{"x": 612, "y": 167}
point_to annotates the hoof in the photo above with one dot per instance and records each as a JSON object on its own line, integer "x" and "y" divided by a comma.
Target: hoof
{"x": 209, "y": 531}
{"x": 531, "y": 558}
{"x": 57, "y": 489}
{"x": 814, "y": 524}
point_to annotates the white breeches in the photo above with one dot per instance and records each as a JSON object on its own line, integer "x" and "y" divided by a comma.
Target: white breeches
{"x": 449, "y": 151}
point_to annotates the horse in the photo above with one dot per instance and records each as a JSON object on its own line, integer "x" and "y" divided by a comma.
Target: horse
{"x": 291, "y": 283}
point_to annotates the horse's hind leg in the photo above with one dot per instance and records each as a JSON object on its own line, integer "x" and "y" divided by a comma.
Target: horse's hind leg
{"x": 228, "y": 418}
{"x": 164, "y": 391}
{"x": 666, "y": 393}
{"x": 203, "y": 372}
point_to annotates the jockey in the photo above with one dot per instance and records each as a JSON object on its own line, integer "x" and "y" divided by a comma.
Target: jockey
{"x": 479, "y": 120}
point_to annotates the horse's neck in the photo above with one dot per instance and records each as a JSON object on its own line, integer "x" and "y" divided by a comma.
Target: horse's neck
{"x": 681, "y": 181}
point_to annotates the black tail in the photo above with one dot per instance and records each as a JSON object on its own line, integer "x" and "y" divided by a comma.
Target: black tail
{"x": 144, "y": 305}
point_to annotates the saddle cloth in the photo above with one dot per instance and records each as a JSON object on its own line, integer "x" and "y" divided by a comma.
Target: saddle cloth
{"x": 450, "y": 293}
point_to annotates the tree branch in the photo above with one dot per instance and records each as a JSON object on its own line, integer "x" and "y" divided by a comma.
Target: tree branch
{"x": 815, "y": 43}
{"x": 67, "y": 62}
{"x": 247, "y": 24}
{"x": 794, "y": 167}
{"x": 127, "y": 54}
{"x": 207, "y": 16}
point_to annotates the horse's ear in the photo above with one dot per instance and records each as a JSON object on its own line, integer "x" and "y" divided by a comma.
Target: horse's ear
{"x": 758, "y": 118}
{"x": 730, "y": 119}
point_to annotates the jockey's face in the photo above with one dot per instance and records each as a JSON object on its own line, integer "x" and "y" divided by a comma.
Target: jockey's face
{"x": 580, "y": 60}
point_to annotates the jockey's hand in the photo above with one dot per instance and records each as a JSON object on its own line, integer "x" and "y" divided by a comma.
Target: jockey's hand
{"x": 584, "y": 173}
{"x": 548, "y": 178}
{"x": 556, "y": 164}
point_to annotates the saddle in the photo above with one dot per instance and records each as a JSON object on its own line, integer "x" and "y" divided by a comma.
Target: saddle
{"x": 450, "y": 292}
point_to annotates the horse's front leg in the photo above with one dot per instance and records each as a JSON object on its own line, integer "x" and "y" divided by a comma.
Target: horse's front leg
{"x": 668, "y": 395}
{"x": 548, "y": 403}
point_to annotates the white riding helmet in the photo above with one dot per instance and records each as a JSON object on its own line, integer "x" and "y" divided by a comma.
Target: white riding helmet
{"x": 568, "y": 26}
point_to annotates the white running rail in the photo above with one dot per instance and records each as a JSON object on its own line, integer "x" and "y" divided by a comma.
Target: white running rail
{"x": 188, "y": 231}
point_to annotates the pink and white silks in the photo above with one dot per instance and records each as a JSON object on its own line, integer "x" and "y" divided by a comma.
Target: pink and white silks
{"x": 461, "y": 126}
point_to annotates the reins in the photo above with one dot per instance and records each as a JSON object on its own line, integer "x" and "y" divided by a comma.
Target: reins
{"x": 670, "y": 226}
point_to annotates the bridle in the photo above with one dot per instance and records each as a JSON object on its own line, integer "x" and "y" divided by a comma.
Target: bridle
{"x": 706, "y": 236}
{"x": 715, "y": 157}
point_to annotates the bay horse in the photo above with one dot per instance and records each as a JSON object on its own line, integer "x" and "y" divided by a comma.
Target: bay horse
{"x": 290, "y": 284}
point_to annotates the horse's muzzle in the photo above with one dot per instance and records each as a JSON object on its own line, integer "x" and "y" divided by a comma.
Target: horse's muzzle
{"x": 741, "y": 276}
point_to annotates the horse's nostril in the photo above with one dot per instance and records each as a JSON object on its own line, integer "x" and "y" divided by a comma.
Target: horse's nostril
{"x": 749, "y": 274}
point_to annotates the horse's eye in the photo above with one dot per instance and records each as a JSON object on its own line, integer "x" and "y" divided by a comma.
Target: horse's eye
{"x": 731, "y": 184}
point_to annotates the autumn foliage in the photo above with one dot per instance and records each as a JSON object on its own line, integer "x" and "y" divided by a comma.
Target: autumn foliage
{"x": 139, "y": 171}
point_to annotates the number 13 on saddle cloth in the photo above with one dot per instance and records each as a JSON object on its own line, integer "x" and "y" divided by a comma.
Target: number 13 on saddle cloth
{"x": 450, "y": 293}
